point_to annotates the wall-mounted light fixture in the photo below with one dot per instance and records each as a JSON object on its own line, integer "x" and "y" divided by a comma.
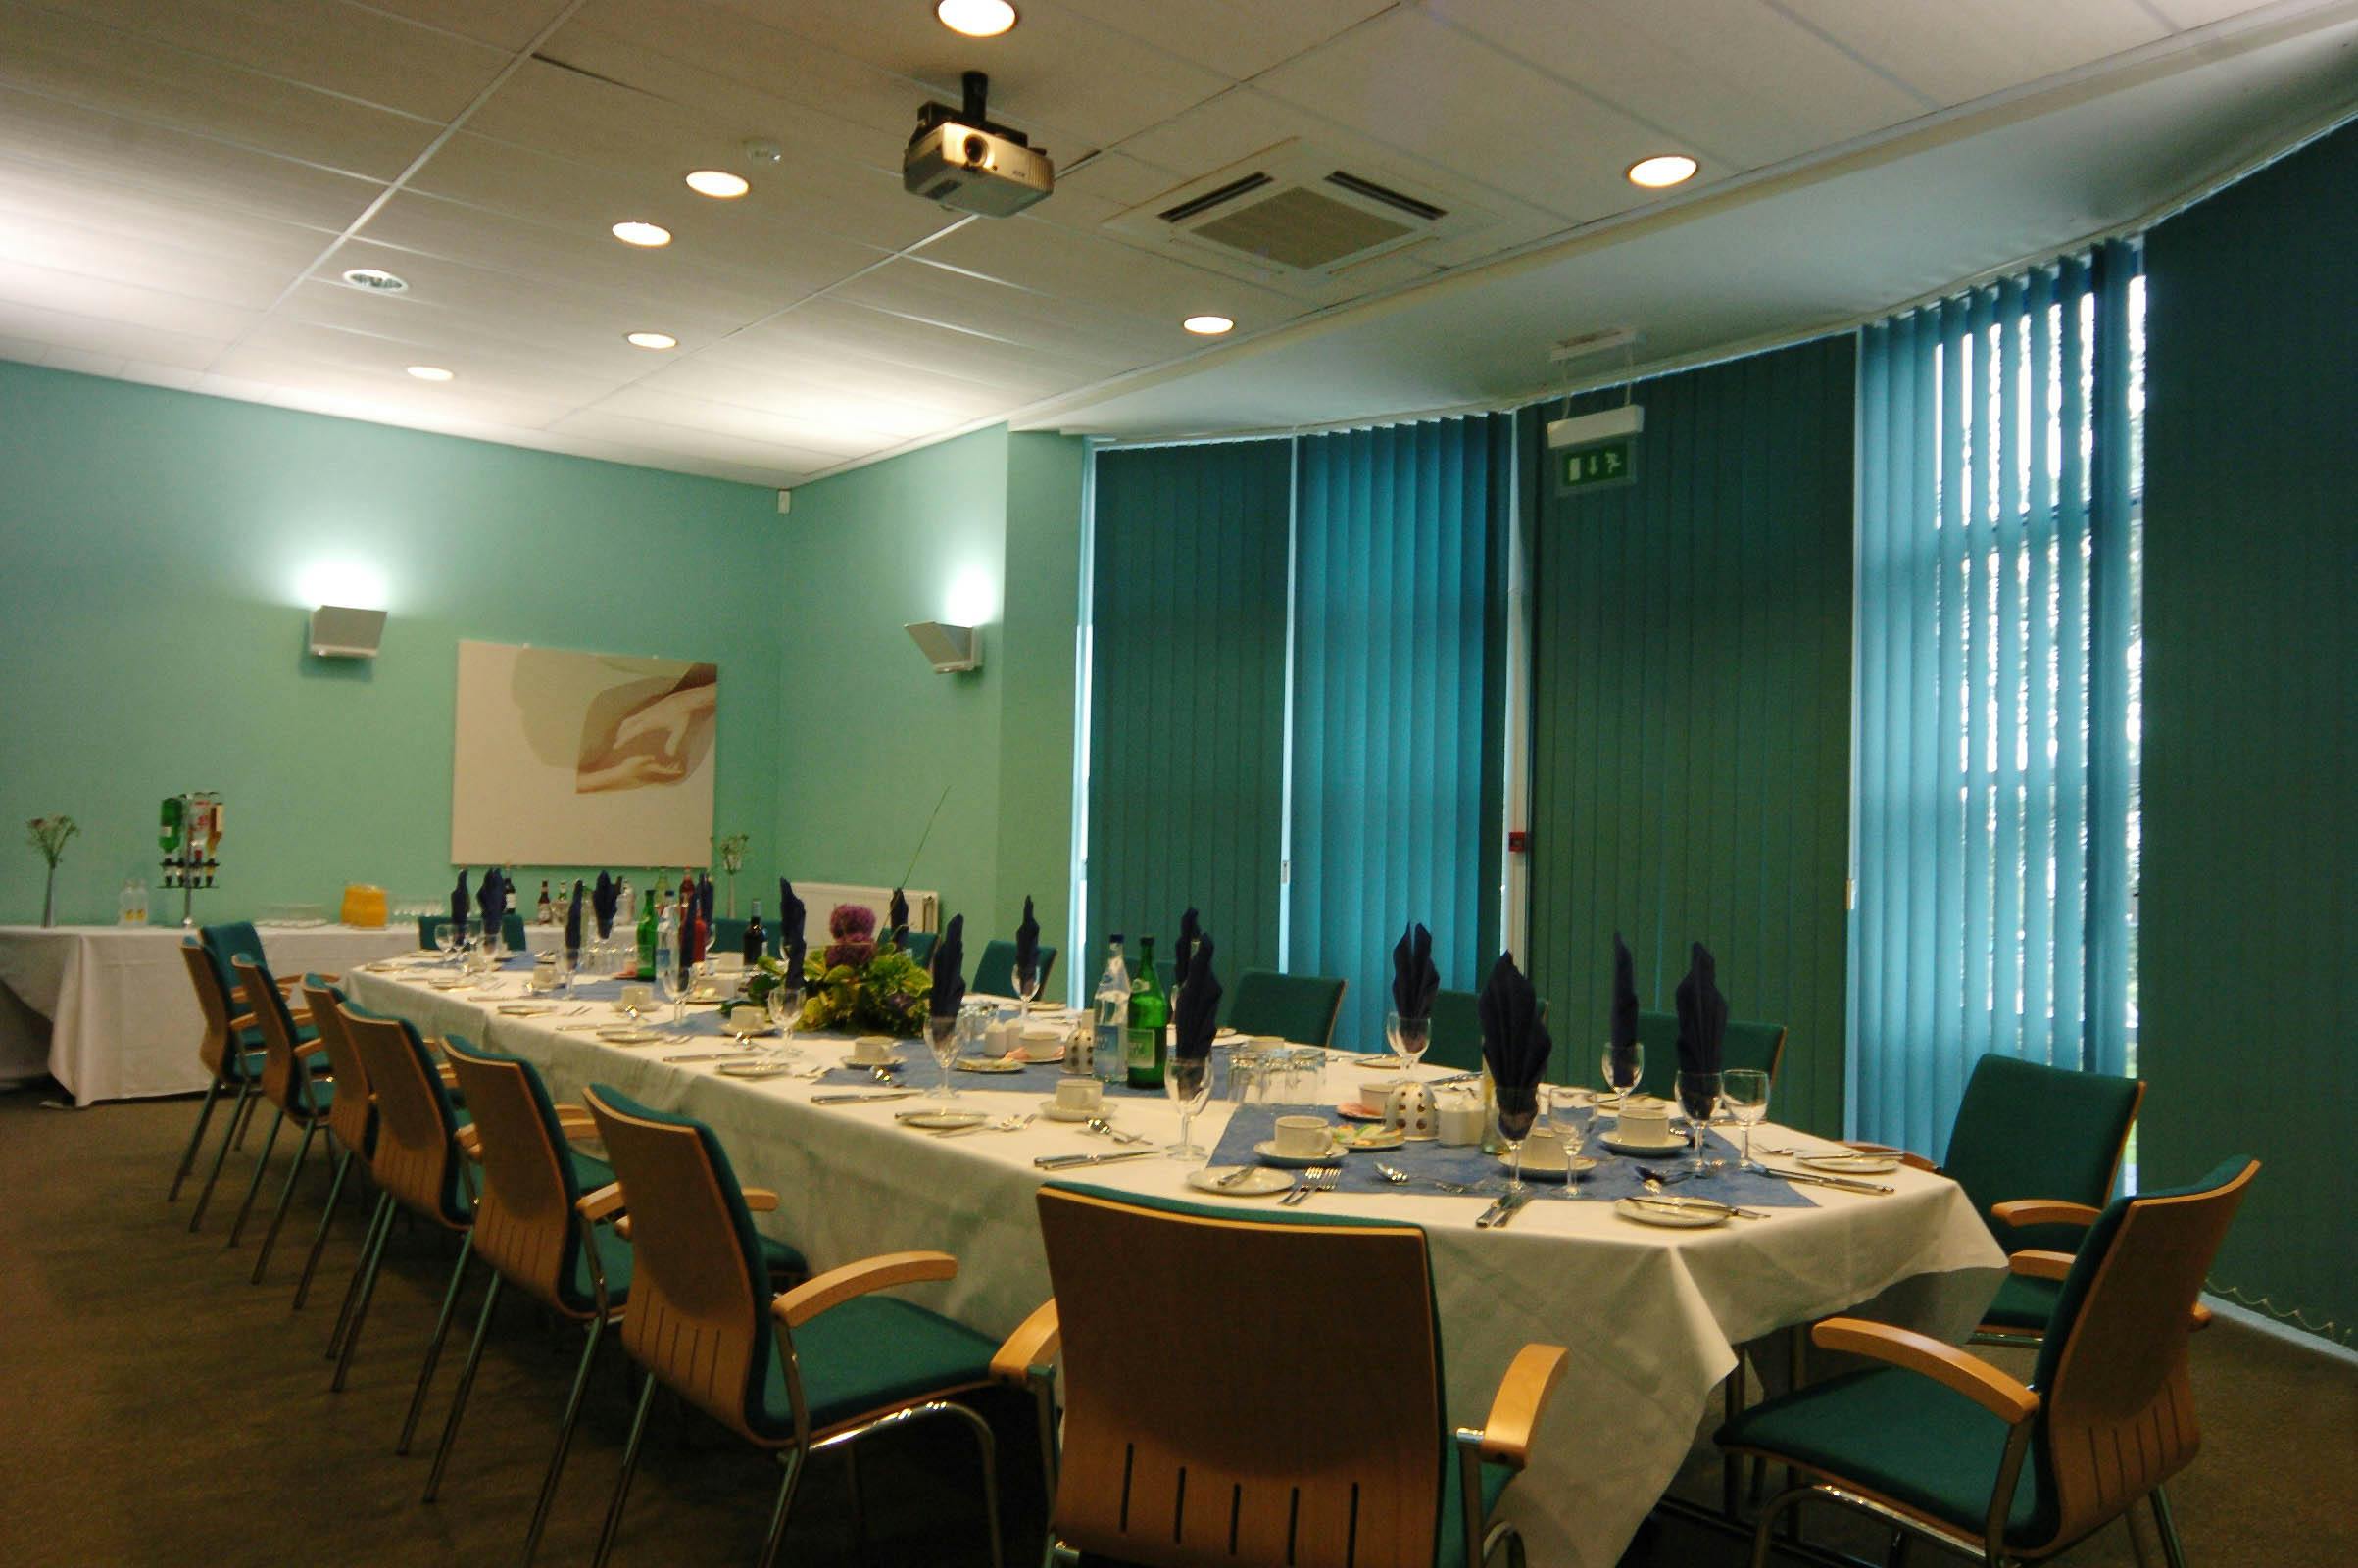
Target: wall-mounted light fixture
{"x": 951, "y": 649}
{"x": 339, "y": 631}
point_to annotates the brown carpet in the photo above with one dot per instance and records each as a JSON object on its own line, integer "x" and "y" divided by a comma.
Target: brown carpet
{"x": 155, "y": 1410}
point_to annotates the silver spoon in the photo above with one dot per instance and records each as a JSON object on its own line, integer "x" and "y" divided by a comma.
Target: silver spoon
{"x": 1104, "y": 1128}
{"x": 1400, "y": 1178}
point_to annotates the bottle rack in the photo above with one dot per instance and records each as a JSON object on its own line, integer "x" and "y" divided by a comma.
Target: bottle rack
{"x": 190, "y": 836}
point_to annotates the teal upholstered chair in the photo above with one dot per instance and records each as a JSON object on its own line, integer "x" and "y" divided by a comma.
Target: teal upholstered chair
{"x": 1757, "y": 1045}
{"x": 1456, "y": 1037}
{"x": 1942, "y": 1444}
{"x": 232, "y": 1053}
{"x": 921, "y": 945}
{"x": 794, "y": 1375}
{"x": 350, "y": 1114}
{"x": 296, "y": 1092}
{"x": 1191, "y": 1474}
{"x": 511, "y": 930}
{"x": 729, "y": 935}
{"x": 1299, "y": 1007}
{"x": 995, "y": 970}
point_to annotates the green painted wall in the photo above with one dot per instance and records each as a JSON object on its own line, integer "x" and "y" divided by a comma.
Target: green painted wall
{"x": 1691, "y": 700}
{"x": 152, "y": 549}
{"x": 870, "y": 736}
{"x": 2248, "y": 998}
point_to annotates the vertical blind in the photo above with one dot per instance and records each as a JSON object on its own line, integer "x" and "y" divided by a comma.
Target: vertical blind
{"x": 1187, "y": 696}
{"x": 1996, "y": 616}
{"x": 1400, "y": 561}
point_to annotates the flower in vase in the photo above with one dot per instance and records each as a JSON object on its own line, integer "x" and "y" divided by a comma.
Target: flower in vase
{"x": 854, "y": 923}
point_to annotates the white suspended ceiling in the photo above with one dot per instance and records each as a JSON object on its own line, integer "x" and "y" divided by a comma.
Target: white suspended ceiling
{"x": 182, "y": 183}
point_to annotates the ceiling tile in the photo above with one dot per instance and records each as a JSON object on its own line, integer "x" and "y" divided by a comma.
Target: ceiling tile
{"x": 817, "y": 433}
{"x": 1238, "y": 38}
{"x": 1000, "y": 309}
{"x": 1960, "y": 50}
{"x": 825, "y": 394}
{"x": 507, "y": 23}
{"x": 81, "y": 62}
{"x": 143, "y": 237}
{"x": 96, "y": 334}
{"x": 1731, "y": 79}
{"x": 290, "y": 357}
{"x": 653, "y": 436}
{"x": 481, "y": 368}
{"x": 58, "y": 289}
{"x": 823, "y": 325}
{"x": 349, "y": 49}
{"x": 1096, "y": 270}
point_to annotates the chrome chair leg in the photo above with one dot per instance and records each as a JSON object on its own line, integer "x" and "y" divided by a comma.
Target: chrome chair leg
{"x": 792, "y": 1462}
{"x": 360, "y": 1304}
{"x": 1767, "y": 1523}
{"x": 565, "y": 1439}
{"x": 196, "y": 1140}
{"x": 245, "y": 1090}
{"x": 244, "y": 1124}
{"x": 433, "y": 1347}
{"x": 377, "y": 1221}
{"x": 287, "y": 1194}
{"x": 630, "y": 1465}
{"x": 2167, "y": 1529}
{"x": 262, "y": 1163}
{"x": 466, "y": 1383}
{"x": 319, "y": 1239}
{"x": 988, "y": 1445}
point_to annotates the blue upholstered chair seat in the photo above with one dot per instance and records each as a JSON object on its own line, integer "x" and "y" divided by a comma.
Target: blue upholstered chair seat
{"x": 871, "y": 1352}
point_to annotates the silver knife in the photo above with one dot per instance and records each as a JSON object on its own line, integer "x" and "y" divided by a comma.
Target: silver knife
{"x": 716, "y": 1055}
{"x": 1515, "y": 1203}
{"x": 1489, "y": 1216}
{"x": 865, "y": 1099}
{"x": 1075, "y": 1161}
{"x": 1843, "y": 1183}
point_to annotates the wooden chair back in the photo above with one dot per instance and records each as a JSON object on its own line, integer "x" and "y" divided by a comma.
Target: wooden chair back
{"x": 416, "y": 1156}
{"x": 1202, "y": 1356}
{"x": 217, "y": 1049}
{"x": 351, "y": 1112}
{"x": 697, "y": 1319}
{"x": 2119, "y": 1410}
{"x": 284, "y": 1082}
{"x": 525, "y": 1224}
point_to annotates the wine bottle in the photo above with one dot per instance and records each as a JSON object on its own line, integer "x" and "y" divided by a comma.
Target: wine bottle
{"x": 547, "y": 912}
{"x": 753, "y": 937}
{"x": 1148, "y": 1035}
{"x": 648, "y": 929}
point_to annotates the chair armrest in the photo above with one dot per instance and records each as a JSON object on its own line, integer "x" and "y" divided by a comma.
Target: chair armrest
{"x": 245, "y": 1020}
{"x": 1514, "y": 1410}
{"x": 1907, "y": 1158}
{"x": 2034, "y": 1265}
{"x": 310, "y": 1048}
{"x": 470, "y": 1142}
{"x": 2023, "y": 1211}
{"x": 572, "y": 1120}
{"x": 1953, "y": 1369}
{"x": 605, "y": 1202}
{"x": 332, "y": 979}
{"x": 816, "y": 1294}
{"x": 1032, "y": 1344}
{"x": 760, "y": 1200}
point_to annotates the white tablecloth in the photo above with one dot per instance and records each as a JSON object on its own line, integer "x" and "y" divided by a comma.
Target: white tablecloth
{"x": 1651, "y": 1317}
{"x": 106, "y": 1010}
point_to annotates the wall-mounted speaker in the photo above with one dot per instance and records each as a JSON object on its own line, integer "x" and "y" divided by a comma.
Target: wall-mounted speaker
{"x": 951, "y": 649}
{"x": 339, "y": 631}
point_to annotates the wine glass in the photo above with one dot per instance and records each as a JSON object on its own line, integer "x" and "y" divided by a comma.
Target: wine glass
{"x": 942, "y": 1036}
{"x": 1574, "y": 1132}
{"x": 1624, "y": 1070}
{"x": 673, "y": 980}
{"x": 785, "y": 1005}
{"x": 1187, "y": 1081}
{"x": 1744, "y": 1090}
{"x": 1027, "y": 980}
{"x": 445, "y": 941}
{"x": 1698, "y": 1095}
{"x": 1409, "y": 1037}
{"x": 1518, "y": 1109}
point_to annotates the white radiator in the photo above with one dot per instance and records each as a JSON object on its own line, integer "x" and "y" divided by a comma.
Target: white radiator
{"x": 819, "y": 899}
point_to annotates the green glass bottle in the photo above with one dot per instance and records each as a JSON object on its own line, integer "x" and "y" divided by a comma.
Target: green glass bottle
{"x": 1147, "y": 1034}
{"x": 648, "y": 932}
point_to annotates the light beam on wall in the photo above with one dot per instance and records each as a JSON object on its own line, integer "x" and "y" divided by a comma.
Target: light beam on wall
{"x": 342, "y": 581}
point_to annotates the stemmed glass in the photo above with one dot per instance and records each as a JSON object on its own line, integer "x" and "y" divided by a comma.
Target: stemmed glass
{"x": 1624, "y": 1071}
{"x": 1518, "y": 1109}
{"x": 1409, "y": 1037}
{"x": 785, "y": 1005}
{"x": 1573, "y": 1133}
{"x": 1187, "y": 1081}
{"x": 672, "y": 979}
{"x": 942, "y": 1036}
{"x": 1699, "y": 1095}
{"x": 445, "y": 941}
{"x": 1027, "y": 981}
{"x": 1744, "y": 1090}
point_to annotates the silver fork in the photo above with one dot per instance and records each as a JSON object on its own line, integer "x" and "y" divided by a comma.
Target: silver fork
{"x": 1317, "y": 1178}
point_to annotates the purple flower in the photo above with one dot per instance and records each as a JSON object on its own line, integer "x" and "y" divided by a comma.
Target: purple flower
{"x": 854, "y": 922}
{"x": 852, "y": 950}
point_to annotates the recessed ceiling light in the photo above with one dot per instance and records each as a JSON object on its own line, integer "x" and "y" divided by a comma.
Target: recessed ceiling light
{"x": 976, "y": 18}
{"x": 1209, "y": 325}
{"x": 653, "y": 340}
{"x": 717, "y": 183}
{"x": 429, "y": 373}
{"x": 1661, "y": 169}
{"x": 638, "y": 233}
{"x": 377, "y": 279}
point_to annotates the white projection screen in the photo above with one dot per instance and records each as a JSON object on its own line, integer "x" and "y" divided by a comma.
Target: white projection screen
{"x": 572, "y": 758}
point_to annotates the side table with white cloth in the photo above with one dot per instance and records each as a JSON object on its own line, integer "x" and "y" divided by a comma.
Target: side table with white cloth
{"x": 105, "y": 1009}
{"x": 1651, "y": 1317}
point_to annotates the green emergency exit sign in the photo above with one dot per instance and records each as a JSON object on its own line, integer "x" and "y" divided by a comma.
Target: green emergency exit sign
{"x": 1596, "y": 467}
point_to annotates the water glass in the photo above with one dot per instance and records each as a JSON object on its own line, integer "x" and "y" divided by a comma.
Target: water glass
{"x": 1304, "y": 1076}
{"x": 784, "y": 1004}
{"x": 1518, "y": 1109}
{"x": 672, "y": 981}
{"x": 1624, "y": 1070}
{"x": 1744, "y": 1090}
{"x": 942, "y": 1039}
{"x": 1409, "y": 1037}
{"x": 1187, "y": 1081}
{"x": 1027, "y": 980}
{"x": 1699, "y": 1097}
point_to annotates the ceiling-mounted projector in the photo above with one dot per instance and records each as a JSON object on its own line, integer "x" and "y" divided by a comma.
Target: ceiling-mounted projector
{"x": 960, "y": 160}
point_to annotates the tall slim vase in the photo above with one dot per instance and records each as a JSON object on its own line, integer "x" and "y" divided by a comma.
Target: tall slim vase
{"x": 49, "y": 899}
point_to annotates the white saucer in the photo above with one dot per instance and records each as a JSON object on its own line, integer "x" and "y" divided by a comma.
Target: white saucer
{"x": 1549, "y": 1172}
{"x": 987, "y": 1065}
{"x": 1268, "y": 1153}
{"x": 1056, "y": 1112}
{"x": 863, "y": 1067}
{"x": 1364, "y": 1138}
{"x": 752, "y": 1069}
{"x": 938, "y": 1121}
{"x": 1851, "y": 1164}
{"x": 1672, "y": 1146}
{"x": 524, "y": 1010}
{"x": 1673, "y": 1214}
{"x": 1256, "y": 1182}
{"x": 630, "y": 1037}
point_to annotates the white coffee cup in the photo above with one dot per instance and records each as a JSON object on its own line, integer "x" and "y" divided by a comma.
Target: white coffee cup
{"x": 870, "y": 1050}
{"x": 1460, "y": 1119}
{"x": 1644, "y": 1120}
{"x": 1543, "y": 1151}
{"x": 1079, "y": 1094}
{"x": 1304, "y": 1137}
{"x": 1376, "y": 1093}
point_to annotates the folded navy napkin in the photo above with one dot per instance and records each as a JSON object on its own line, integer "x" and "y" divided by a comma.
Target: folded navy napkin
{"x": 791, "y": 946}
{"x": 1622, "y": 1042}
{"x": 1198, "y": 1017}
{"x": 1702, "y": 1014}
{"x": 1414, "y": 980}
{"x": 491, "y": 898}
{"x": 949, "y": 970}
{"x": 896, "y": 921}
{"x": 1183, "y": 951}
{"x": 607, "y": 899}
{"x": 1027, "y": 941}
{"x": 1514, "y": 1042}
{"x": 572, "y": 919}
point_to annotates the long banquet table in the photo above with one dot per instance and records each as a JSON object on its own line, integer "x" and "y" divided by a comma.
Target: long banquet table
{"x": 1651, "y": 1317}
{"x": 107, "y": 1009}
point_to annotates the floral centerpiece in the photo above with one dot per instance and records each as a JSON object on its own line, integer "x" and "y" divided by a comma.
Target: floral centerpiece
{"x": 855, "y": 983}
{"x": 49, "y": 834}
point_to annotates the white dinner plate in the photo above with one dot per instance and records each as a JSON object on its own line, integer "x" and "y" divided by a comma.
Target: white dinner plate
{"x": 1361, "y": 1137}
{"x": 752, "y": 1069}
{"x": 1675, "y": 1213}
{"x": 1056, "y": 1112}
{"x": 630, "y": 1037}
{"x": 1255, "y": 1182}
{"x": 1673, "y": 1146}
{"x": 941, "y": 1121}
{"x": 524, "y": 1010}
{"x": 1851, "y": 1164}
